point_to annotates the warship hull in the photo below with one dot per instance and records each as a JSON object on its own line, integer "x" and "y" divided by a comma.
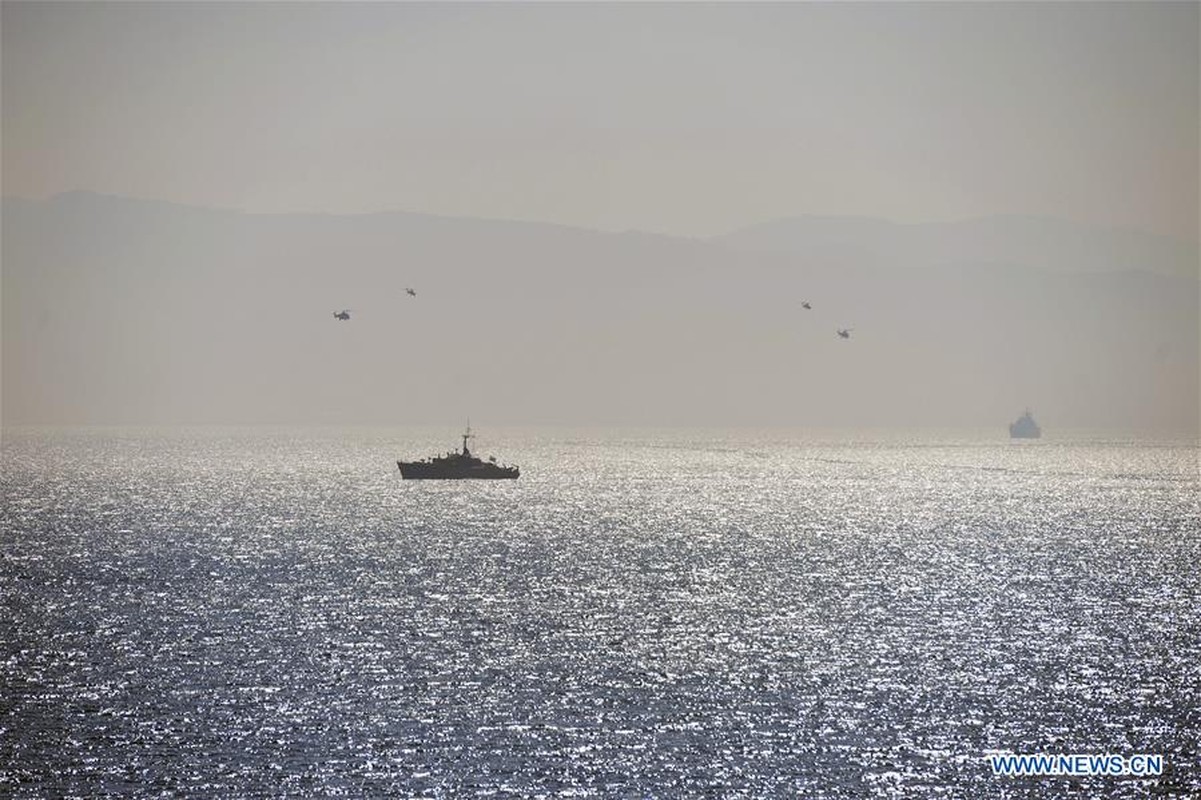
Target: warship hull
{"x": 457, "y": 467}
{"x": 424, "y": 470}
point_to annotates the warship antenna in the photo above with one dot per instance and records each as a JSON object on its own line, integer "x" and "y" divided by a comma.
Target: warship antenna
{"x": 467, "y": 435}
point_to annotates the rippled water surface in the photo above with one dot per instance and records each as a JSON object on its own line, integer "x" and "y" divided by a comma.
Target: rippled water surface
{"x": 248, "y": 613}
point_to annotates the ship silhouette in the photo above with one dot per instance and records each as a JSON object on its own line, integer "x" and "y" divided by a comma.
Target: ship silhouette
{"x": 454, "y": 466}
{"x": 1025, "y": 427}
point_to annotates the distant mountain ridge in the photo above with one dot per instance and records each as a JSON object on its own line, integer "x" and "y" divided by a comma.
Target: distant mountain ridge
{"x": 1038, "y": 242}
{"x": 121, "y": 311}
{"x": 86, "y": 201}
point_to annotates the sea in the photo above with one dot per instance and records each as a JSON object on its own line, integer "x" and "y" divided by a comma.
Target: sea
{"x": 274, "y": 612}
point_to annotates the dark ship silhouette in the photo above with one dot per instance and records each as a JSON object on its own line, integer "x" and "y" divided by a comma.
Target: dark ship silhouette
{"x": 456, "y": 466}
{"x": 1025, "y": 428}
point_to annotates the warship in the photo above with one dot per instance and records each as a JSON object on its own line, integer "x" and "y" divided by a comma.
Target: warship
{"x": 1025, "y": 428}
{"x": 456, "y": 466}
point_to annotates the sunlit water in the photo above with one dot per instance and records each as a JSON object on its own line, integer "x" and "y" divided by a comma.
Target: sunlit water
{"x": 248, "y": 613}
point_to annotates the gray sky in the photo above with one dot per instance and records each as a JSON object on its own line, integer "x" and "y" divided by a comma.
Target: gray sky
{"x": 685, "y": 119}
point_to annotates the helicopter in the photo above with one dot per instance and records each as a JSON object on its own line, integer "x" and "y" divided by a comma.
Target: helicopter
{"x": 343, "y": 315}
{"x": 805, "y": 305}
{"x": 410, "y": 292}
{"x": 844, "y": 333}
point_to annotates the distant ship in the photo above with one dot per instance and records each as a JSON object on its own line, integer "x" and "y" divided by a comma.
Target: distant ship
{"x": 1025, "y": 428}
{"x": 455, "y": 466}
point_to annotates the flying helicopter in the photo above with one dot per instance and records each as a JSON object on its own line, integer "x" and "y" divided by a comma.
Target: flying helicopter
{"x": 805, "y": 304}
{"x": 343, "y": 315}
{"x": 410, "y": 292}
{"x": 845, "y": 333}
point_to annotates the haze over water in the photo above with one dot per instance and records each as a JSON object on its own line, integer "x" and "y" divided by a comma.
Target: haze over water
{"x": 240, "y": 613}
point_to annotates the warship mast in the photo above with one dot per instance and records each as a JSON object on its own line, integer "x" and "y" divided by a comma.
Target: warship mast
{"x": 467, "y": 435}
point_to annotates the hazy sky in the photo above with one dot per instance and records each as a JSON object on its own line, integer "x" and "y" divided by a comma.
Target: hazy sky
{"x": 686, "y": 119}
